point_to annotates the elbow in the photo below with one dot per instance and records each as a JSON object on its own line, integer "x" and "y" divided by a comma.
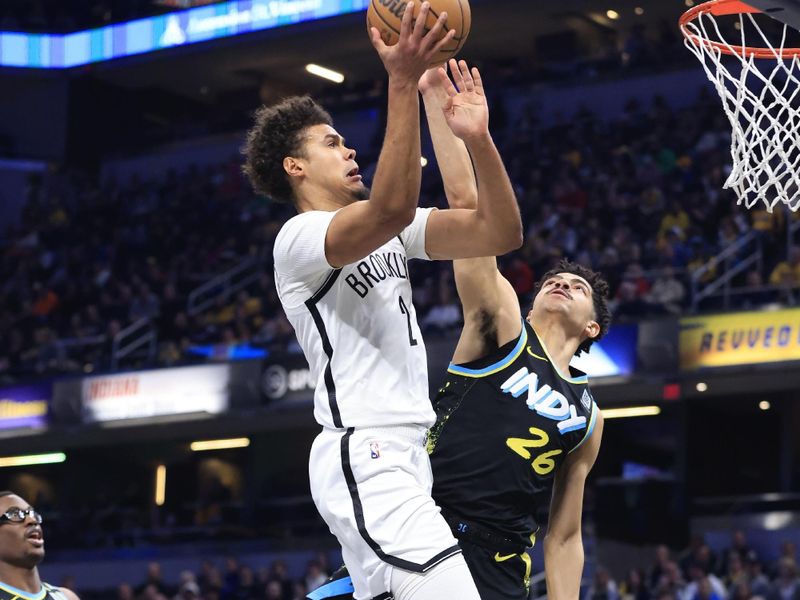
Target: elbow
{"x": 554, "y": 542}
{"x": 509, "y": 242}
{"x": 398, "y": 219}
{"x": 462, "y": 198}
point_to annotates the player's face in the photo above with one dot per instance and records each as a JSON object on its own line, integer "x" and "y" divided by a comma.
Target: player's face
{"x": 21, "y": 544}
{"x": 567, "y": 297}
{"x": 332, "y": 165}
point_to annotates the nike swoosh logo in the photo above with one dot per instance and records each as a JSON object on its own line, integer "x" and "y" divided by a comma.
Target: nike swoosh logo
{"x": 536, "y": 355}
{"x": 499, "y": 558}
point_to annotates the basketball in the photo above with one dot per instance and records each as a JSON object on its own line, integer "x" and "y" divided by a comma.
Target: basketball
{"x": 386, "y": 15}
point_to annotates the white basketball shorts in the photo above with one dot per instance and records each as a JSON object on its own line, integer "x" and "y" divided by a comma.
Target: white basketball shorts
{"x": 373, "y": 488}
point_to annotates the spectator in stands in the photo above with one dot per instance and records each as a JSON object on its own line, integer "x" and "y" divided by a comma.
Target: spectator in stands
{"x": 634, "y": 587}
{"x": 629, "y": 305}
{"x": 125, "y": 592}
{"x": 314, "y": 576}
{"x": 787, "y": 273}
{"x": 759, "y": 584}
{"x": 674, "y": 220}
{"x": 279, "y": 573}
{"x": 703, "y": 584}
{"x": 734, "y": 571}
{"x": 706, "y": 590}
{"x": 755, "y": 296}
{"x": 445, "y": 314}
{"x": 299, "y": 591}
{"x": 671, "y": 581}
{"x": 155, "y": 582}
{"x": 738, "y": 547}
{"x": 603, "y": 586}
{"x": 274, "y": 591}
{"x": 659, "y": 566}
{"x": 247, "y": 588}
{"x": 741, "y": 591}
{"x": 188, "y": 591}
{"x": 145, "y": 304}
{"x": 520, "y": 274}
{"x": 667, "y": 291}
{"x": 786, "y": 585}
{"x": 230, "y": 581}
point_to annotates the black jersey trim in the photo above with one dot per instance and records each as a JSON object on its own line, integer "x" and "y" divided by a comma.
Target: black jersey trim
{"x": 311, "y": 305}
{"x": 384, "y": 596}
{"x": 589, "y": 429}
{"x": 358, "y": 511}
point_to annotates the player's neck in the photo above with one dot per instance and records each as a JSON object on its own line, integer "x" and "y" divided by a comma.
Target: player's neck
{"x": 559, "y": 345}
{"x": 26, "y": 580}
{"x": 315, "y": 198}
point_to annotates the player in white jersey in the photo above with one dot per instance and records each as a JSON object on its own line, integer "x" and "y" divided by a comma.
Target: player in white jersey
{"x": 341, "y": 271}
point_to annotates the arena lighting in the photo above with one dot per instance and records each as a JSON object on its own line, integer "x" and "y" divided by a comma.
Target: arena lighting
{"x": 33, "y": 459}
{"x": 764, "y": 405}
{"x": 220, "y": 444}
{"x": 639, "y": 10}
{"x": 701, "y": 386}
{"x": 612, "y": 14}
{"x": 325, "y": 73}
{"x": 159, "y": 32}
{"x": 632, "y": 411}
{"x": 161, "y": 485}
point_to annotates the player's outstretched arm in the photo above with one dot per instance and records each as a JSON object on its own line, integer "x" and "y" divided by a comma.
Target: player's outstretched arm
{"x": 360, "y": 228}
{"x": 484, "y": 292}
{"x": 494, "y": 227}
{"x": 563, "y": 544}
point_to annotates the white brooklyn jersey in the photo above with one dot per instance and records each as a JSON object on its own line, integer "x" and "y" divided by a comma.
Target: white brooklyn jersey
{"x": 356, "y": 325}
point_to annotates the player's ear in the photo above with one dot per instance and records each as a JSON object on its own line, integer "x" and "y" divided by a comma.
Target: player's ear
{"x": 293, "y": 166}
{"x": 592, "y": 329}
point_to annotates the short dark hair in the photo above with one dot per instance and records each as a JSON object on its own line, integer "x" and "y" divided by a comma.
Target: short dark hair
{"x": 599, "y": 296}
{"x": 276, "y": 134}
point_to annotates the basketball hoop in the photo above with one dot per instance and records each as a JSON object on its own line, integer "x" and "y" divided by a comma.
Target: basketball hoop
{"x": 759, "y": 84}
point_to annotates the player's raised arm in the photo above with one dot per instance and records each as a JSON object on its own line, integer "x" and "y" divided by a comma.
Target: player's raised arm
{"x": 563, "y": 544}
{"x": 494, "y": 227}
{"x": 483, "y": 291}
{"x": 362, "y": 227}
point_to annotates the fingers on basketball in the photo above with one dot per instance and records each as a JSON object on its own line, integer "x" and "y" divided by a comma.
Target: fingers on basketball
{"x": 421, "y": 20}
{"x": 407, "y": 22}
{"x": 439, "y": 47}
{"x": 376, "y": 39}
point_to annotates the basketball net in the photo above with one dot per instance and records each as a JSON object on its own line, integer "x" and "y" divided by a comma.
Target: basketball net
{"x": 759, "y": 84}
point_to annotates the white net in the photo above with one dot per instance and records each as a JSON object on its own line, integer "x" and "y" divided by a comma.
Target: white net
{"x": 760, "y": 93}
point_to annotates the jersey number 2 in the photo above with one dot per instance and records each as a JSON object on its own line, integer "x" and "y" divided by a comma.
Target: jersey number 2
{"x": 404, "y": 309}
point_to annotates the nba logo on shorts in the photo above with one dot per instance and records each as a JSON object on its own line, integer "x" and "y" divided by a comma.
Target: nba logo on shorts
{"x": 374, "y": 450}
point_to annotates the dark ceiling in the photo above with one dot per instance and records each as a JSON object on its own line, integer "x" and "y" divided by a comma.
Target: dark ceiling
{"x": 500, "y": 28}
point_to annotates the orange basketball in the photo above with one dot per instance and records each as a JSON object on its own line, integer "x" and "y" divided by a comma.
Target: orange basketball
{"x": 386, "y": 15}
